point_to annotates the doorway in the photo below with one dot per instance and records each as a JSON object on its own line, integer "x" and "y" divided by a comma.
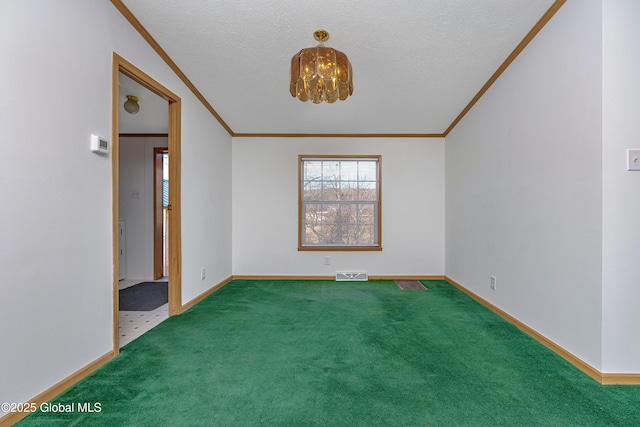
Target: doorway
{"x": 160, "y": 213}
{"x": 172, "y": 218}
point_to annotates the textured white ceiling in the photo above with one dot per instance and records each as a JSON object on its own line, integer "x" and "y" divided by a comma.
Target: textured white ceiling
{"x": 417, "y": 63}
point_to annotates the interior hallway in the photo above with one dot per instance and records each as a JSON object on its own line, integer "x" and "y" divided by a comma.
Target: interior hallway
{"x": 132, "y": 324}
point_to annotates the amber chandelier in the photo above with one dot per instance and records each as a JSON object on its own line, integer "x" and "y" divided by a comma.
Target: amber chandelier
{"x": 320, "y": 73}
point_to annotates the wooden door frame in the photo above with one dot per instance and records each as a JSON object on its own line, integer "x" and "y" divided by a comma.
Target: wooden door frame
{"x": 121, "y": 65}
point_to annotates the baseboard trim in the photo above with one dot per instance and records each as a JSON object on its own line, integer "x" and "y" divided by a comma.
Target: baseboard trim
{"x": 406, "y": 277}
{"x": 263, "y": 277}
{"x": 260, "y": 277}
{"x": 53, "y": 391}
{"x": 199, "y": 298}
{"x": 621, "y": 379}
{"x": 205, "y": 294}
{"x": 566, "y": 355}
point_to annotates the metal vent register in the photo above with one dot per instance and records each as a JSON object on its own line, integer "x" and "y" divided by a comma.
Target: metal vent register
{"x": 351, "y": 276}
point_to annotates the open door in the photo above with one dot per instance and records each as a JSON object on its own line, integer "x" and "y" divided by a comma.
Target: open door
{"x": 160, "y": 212}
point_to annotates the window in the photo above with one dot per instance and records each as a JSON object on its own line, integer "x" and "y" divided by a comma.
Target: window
{"x": 339, "y": 203}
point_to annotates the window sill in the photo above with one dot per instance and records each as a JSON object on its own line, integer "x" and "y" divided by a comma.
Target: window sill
{"x": 339, "y": 248}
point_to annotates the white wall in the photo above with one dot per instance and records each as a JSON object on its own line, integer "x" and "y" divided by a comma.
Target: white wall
{"x": 56, "y": 246}
{"x": 136, "y": 203}
{"x": 265, "y": 207}
{"x": 524, "y": 186}
{"x": 206, "y": 201}
{"x": 621, "y": 201}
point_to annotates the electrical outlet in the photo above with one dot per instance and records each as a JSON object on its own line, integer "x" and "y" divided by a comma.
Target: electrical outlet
{"x": 493, "y": 283}
{"x": 202, "y": 273}
{"x": 327, "y": 260}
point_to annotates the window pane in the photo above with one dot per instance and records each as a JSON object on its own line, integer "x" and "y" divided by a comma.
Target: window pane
{"x": 312, "y": 170}
{"x": 348, "y": 170}
{"x": 345, "y": 214}
{"x": 312, "y": 235}
{"x": 353, "y": 238}
{"x": 367, "y": 170}
{"x": 331, "y": 192}
{"x": 312, "y": 191}
{"x": 366, "y": 213}
{"x": 365, "y": 232}
{"x": 367, "y": 191}
{"x": 330, "y": 170}
{"x": 348, "y": 190}
{"x": 327, "y": 234}
{"x": 313, "y": 215}
{"x": 330, "y": 214}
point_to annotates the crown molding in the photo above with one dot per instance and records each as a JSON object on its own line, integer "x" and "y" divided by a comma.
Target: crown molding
{"x": 521, "y": 46}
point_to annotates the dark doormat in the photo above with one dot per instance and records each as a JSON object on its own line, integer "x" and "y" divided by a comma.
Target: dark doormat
{"x": 145, "y": 296}
{"x": 410, "y": 285}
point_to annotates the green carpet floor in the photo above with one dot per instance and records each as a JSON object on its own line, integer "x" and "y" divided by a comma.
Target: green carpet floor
{"x": 324, "y": 353}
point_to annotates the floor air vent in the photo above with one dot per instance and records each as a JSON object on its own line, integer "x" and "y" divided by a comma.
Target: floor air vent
{"x": 411, "y": 285}
{"x": 347, "y": 276}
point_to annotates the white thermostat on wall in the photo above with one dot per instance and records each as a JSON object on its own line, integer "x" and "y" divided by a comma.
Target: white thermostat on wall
{"x": 99, "y": 145}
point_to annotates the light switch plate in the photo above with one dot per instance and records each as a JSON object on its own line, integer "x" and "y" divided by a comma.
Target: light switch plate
{"x": 633, "y": 159}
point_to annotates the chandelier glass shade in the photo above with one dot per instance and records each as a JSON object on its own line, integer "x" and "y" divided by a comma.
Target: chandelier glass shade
{"x": 320, "y": 73}
{"x": 131, "y": 105}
